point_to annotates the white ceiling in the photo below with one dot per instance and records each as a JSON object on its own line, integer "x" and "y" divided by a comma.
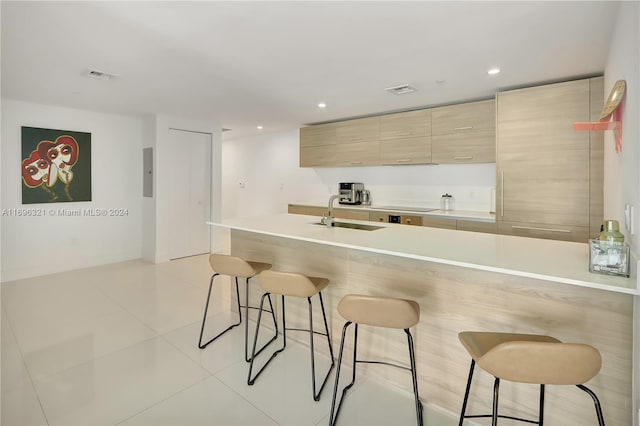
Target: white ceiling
{"x": 270, "y": 63}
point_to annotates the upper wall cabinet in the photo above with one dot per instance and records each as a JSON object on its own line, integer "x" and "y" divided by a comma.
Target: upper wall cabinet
{"x": 405, "y": 125}
{"x": 357, "y": 142}
{"x": 405, "y": 138}
{"x": 318, "y": 145}
{"x": 464, "y": 133}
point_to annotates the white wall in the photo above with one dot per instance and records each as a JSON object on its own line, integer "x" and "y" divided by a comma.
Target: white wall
{"x": 40, "y": 245}
{"x": 267, "y": 166}
{"x": 621, "y": 171}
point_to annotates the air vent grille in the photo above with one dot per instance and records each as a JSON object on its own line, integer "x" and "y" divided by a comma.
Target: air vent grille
{"x": 401, "y": 90}
{"x": 99, "y": 75}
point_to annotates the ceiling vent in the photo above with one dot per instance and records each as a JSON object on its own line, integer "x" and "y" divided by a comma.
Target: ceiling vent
{"x": 401, "y": 90}
{"x": 99, "y": 75}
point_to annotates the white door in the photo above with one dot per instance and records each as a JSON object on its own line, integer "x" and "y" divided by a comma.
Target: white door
{"x": 190, "y": 193}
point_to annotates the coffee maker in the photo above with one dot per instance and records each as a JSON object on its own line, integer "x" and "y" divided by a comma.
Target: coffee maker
{"x": 351, "y": 193}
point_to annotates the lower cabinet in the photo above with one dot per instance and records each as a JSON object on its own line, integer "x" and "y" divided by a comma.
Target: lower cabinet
{"x": 476, "y": 226}
{"x": 437, "y": 222}
{"x": 321, "y": 211}
{"x": 578, "y": 234}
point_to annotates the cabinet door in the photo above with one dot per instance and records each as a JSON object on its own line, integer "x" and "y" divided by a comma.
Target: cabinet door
{"x": 542, "y": 230}
{"x": 463, "y": 118}
{"x": 308, "y": 210}
{"x": 471, "y": 147}
{"x": 477, "y": 226}
{"x": 436, "y": 222}
{"x": 357, "y": 154}
{"x": 464, "y": 133}
{"x": 542, "y": 163}
{"x": 351, "y": 214}
{"x": 317, "y": 156}
{"x": 355, "y": 131}
{"x": 405, "y": 151}
{"x": 322, "y": 134}
{"x": 379, "y": 216}
{"x": 406, "y": 124}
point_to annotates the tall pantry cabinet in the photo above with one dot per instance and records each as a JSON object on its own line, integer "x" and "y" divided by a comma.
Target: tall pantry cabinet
{"x": 549, "y": 179}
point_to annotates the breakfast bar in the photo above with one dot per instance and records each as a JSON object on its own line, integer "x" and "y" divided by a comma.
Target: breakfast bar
{"x": 463, "y": 281}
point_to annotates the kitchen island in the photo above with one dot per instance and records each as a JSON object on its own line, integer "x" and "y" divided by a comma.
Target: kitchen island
{"x": 463, "y": 281}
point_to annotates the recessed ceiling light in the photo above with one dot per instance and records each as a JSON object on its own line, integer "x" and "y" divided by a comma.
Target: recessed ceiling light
{"x": 259, "y": 127}
{"x": 493, "y": 71}
{"x": 322, "y": 105}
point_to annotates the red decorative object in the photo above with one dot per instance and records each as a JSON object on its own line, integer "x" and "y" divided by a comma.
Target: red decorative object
{"x": 611, "y": 109}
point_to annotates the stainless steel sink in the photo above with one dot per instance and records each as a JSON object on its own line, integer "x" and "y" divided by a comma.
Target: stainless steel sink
{"x": 353, "y": 226}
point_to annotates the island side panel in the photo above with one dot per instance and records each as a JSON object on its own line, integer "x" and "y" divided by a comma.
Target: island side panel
{"x": 455, "y": 299}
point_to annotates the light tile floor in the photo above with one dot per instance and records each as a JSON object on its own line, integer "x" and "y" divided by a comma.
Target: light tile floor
{"x": 117, "y": 345}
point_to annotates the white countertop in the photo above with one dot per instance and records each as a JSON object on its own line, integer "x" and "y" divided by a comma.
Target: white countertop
{"x": 557, "y": 261}
{"x": 452, "y": 214}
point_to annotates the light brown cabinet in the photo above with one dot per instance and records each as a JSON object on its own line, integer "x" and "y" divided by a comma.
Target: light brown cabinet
{"x": 318, "y": 145}
{"x": 464, "y": 133}
{"x": 440, "y": 222}
{"x": 321, "y": 211}
{"x": 383, "y": 216}
{"x": 405, "y": 138}
{"x": 357, "y": 142}
{"x": 543, "y": 165}
{"x": 477, "y": 226}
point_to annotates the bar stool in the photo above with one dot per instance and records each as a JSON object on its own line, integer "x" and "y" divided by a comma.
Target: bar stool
{"x": 236, "y": 267}
{"x": 293, "y": 285}
{"x": 530, "y": 358}
{"x": 378, "y": 312}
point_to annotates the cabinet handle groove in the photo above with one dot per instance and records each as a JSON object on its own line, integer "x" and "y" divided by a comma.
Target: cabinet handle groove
{"x": 463, "y": 158}
{"x": 457, "y": 129}
{"x": 404, "y": 160}
{"x": 566, "y": 231}
{"x": 356, "y": 162}
{"x": 402, "y": 133}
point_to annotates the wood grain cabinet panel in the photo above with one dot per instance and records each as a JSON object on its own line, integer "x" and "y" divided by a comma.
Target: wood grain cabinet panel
{"x": 308, "y": 210}
{"x": 360, "y": 130}
{"x": 542, "y": 163}
{"x": 405, "y": 124}
{"x": 477, "y": 226}
{"x": 405, "y": 151}
{"x": 437, "y": 222}
{"x": 544, "y": 230}
{"x": 351, "y": 214}
{"x": 596, "y": 185}
{"x": 318, "y": 156}
{"x": 322, "y": 134}
{"x": 464, "y": 133}
{"x": 357, "y": 154}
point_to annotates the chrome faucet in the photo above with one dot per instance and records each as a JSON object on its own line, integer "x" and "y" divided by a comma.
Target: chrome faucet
{"x": 329, "y": 220}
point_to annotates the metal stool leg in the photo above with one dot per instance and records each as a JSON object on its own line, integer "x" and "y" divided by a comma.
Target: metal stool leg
{"x": 541, "y": 415}
{"x": 206, "y": 308}
{"x": 250, "y": 380}
{"x": 332, "y": 418}
{"x": 466, "y": 393}
{"x": 316, "y": 394}
{"x": 414, "y": 377}
{"x": 246, "y": 324}
{"x": 496, "y": 391}
{"x": 596, "y": 402}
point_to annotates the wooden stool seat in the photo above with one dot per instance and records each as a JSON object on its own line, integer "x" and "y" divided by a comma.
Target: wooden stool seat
{"x": 530, "y": 358}
{"x": 379, "y": 311}
{"x": 375, "y": 311}
{"x": 236, "y": 267}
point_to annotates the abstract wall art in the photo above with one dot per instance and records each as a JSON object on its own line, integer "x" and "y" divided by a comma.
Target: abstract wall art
{"x": 56, "y": 166}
